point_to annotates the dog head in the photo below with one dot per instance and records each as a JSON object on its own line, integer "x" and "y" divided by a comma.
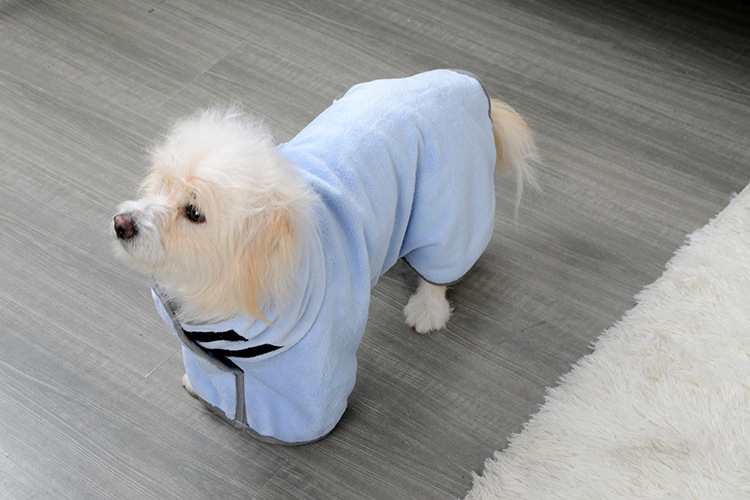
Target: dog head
{"x": 219, "y": 219}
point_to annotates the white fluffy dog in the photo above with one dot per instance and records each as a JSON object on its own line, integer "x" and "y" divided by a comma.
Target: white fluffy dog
{"x": 263, "y": 256}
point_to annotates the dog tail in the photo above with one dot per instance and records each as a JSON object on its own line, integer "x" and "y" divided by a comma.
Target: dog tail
{"x": 515, "y": 146}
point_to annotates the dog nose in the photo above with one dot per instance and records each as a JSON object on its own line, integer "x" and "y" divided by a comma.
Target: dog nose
{"x": 124, "y": 227}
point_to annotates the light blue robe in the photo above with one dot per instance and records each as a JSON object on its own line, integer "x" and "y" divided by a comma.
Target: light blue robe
{"x": 402, "y": 168}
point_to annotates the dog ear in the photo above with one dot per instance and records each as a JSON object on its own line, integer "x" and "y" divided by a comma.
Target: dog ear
{"x": 265, "y": 264}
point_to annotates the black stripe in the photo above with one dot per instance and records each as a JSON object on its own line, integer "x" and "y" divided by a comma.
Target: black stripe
{"x": 250, "y": 352}
{"x": 214, "y": 336}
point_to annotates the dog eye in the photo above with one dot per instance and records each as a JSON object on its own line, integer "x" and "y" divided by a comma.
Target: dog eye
{"x": 194, "y": 215}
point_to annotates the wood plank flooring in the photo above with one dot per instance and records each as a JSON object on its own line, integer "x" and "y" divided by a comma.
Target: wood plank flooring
{"x": 642, "y": 113}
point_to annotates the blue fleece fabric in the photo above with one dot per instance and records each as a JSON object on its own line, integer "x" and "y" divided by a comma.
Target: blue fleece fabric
{"x": 403, "y": 168}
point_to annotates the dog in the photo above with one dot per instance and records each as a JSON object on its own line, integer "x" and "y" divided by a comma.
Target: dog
{"x": 263, "y": 256}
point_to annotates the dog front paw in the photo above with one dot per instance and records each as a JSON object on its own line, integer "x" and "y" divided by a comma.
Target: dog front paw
{"x": 188, "y": 386}
{"x": 428, "y": 309}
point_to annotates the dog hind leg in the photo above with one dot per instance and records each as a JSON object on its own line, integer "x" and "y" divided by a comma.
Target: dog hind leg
{"x": 428, "y": 309}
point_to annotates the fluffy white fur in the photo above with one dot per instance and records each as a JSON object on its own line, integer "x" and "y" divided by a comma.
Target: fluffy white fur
{"x": 661, "y": 408}
{"x": 222, "y": 215}
{"x": 224, "y": 164}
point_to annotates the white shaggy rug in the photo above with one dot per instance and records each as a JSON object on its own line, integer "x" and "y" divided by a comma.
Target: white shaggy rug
{"x": 661, "y": 408}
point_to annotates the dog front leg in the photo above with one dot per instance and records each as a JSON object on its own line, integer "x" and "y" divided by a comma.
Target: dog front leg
{"x": 188, "y": 386}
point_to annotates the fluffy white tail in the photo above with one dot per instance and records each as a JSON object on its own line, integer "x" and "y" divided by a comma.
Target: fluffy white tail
{"x": 515, "y": 147}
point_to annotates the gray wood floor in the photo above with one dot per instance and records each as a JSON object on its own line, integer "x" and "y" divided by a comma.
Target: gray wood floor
{"x": 642, "y": 112}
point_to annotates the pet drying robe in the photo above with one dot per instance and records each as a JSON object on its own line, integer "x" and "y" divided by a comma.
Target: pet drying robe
{"x": 402, "y": 168}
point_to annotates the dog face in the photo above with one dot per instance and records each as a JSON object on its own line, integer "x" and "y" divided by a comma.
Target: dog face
{"x": 217, "y": 219}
